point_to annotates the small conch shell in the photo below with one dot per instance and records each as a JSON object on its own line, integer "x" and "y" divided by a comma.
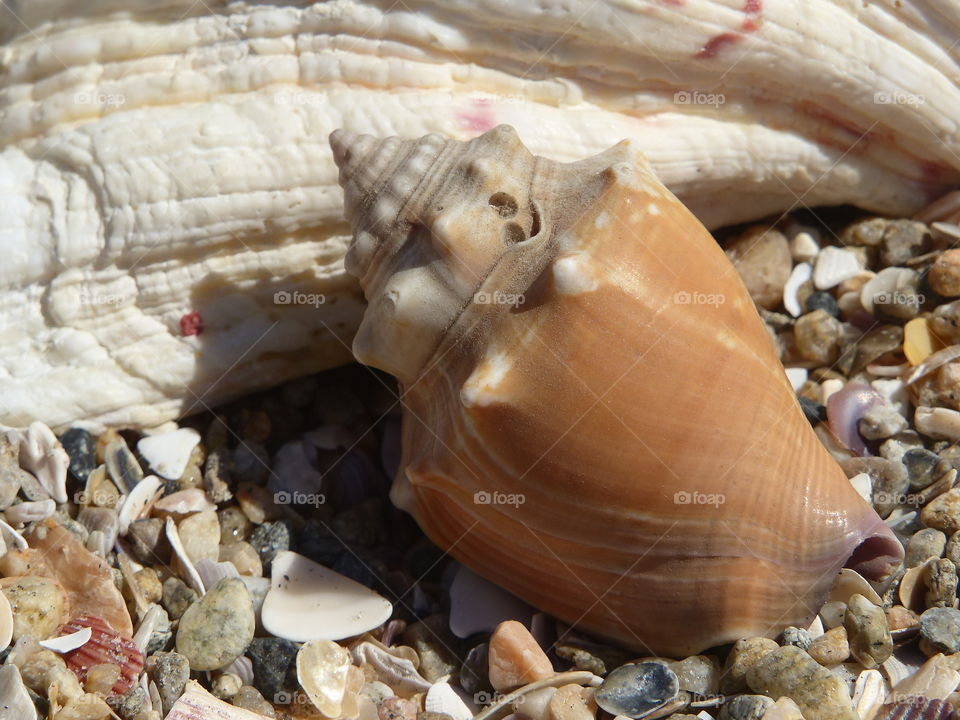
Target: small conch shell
{"x": 594, "y": 415}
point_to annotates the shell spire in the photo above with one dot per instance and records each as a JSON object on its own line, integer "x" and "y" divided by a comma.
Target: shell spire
{"x": 592, "y": 407}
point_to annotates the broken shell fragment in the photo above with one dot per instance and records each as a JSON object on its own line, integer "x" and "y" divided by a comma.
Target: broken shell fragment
{"x": 472, "y": 270}
{"x": 105, "y": 647}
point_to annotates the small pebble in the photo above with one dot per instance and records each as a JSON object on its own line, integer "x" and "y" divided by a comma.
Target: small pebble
{"x": 432, "y": 640}
{"x": 395, "y": 708}
{"x": 867, "y": 232}
{"x": 745, "y": 707}
{"x": 269, "y": 539}
{"x": 900, "y": 618}
{"x": 81, "y": 448}
{"x": 790, "y": 671}
{"x": 39, "y": 605}
{"x": 234, "y": 525}
{"x": 817, "y": 336}
{"x": 833, "y": 266}
{"x": 822, "y": 300}
{"x": 216, "y": 476}
{"x": 225, "y": 686}
{"x": 945, "y": 274}
{"x": 177, "y": 597}
{"x": 803, "y": 247}
{"x": 813, "y": 411}
{"x": 761, "y": 256}
{"x": 925, "y": 543}
{"x": 515, "y": 658}
{"x": 798, "y": 637}
{"x": 921, "y": 467}
{"x": 322, "y": 667}
{"x": 745, "y": 654}
{"x": 149, "y": 584}
{"x": 903, "y": 240}
{"x": 244, "y": 558}
{"x": 170, "y": 672}
{"x": 200, "y": 535}
{"x": 941, "y": 584}
{"x": 128, "y": 705}
{"x": 697, "y": 674}
{"x": 943, "y": 512}
{"x": 940, "y": 631}
{"x": 148, "y": 541}
{"x": 249, "y": 698}
{"x": 569, "y": 703}
{"x": 880, "y": 422}
{"x": 867, "y": 632}
{"x": 636, "y": 689}
{"x": 831, "y": 647}
{"x": 217, "y": 628}
{"x": 952, "y": 549}
{"x": 274, "y": 665}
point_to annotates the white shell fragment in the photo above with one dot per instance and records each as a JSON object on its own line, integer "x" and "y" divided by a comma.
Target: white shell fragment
{"x": 834, "y": 265}
{"x": 398, "y": 672}
{"x": 15, "y": 702}
{"x": 184, "y": 502}
{"x": 801, "y": 274}
{"x": 66, "y": 643}
{"x": 137, "y": 501}
{"x": 6, "y": 623}
{"x": 869, "y": 693}
{"x": 441, "y": 698}
{"x": 797, "y": 377}
{"x": 850, "y": 582}
{"x": 322, "y": 667}
{"x": 197, "y": 704}
{"x": 477, "y": 605}
{"x": 938, "y": 423}
{"x": 308, "y": 601}
{"x": 863, "y": 485}
{"x": 935, "y": 680}
{"x": 167, "y": 454}
{"x": 42, "y": 454}
{"x": 27, "y": 512}
{"x": 192, "y": 578}
{"x": 804, "y": 247}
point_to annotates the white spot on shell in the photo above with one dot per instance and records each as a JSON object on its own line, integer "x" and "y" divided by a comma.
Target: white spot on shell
{"x": 480, "y": 389}
{"x": 602, "y": 220}
{"x": 653, "y": 209}
{"x": 726, "y": 339}
{"x": 574, "y": 274}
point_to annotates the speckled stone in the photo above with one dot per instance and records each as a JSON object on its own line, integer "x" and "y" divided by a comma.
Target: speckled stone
{"x": 881, "y": 422}
{"x": 39, "y": 605}
{"x": 940, "y": 631}
{"x": 249, "y": 698}
{"x": 225, "y": 686}
{"x": 217, "y": 628}
{"x": 817, "y": 335}
{"x": 216, "y": 476}
{"x": 269, "y": 539}
{"x": 148, "y": 541}
{"x": 926, "y": 543}
{"x": 943, "y": 512}
{"x": 170, "y": 672}
{"x": 745, "y": 707}
{"x": 177, "y": 597}
{"x": 637, "y": 688}
{"x": 797, "y": 636}
{"x": 274, "y": 665}
{"x": 433, "y": 641}
{"x": 867, "y": 632}
{"x": 941, "y": 579}
{"x": 761, "y": 256}
{"x": 902, "y": 240}
{"x": 952, "y": 549}
{"x": 789, "y": 671}
{"x": 745, "y": 654}
{"x": 921, "y": 465}
{"x": 128, "y": 705}
{"x": 945, "y": 274}
{"x": 831, "y": 647}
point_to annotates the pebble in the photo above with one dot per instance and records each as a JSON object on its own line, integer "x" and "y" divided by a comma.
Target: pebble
{"x": 148, "y": 542}
{"x": 940, "y": 630}
{"x": 200, "y": 535}
{"x": 515, "y": 658}
{"x": 797, "y": 636}
{"x": 216, "y": 476}
{"x": 122, "y": 465}
{"x": 804, "y": 247}
{"x": 941, "y": 583}
{"x": 952, "y": 549}
{"x": 833, "y": 266}
{"x": 39, "y": 605}
{"x": 903, "y": 240}
{"x": 919, "y": 341}
{"x": 322, "y": 667}
{"x": 938, "y": 423}
{"x": 782, "y": 709}
{"x": 177, "y": 597}
{"x": 761, "y": 256}
{"x": 822, "y": 300}
{"x": 81, "y": 448}
{"x": 921, "y": 467}
{"x": 432, "y": 640}
{"x": 789, "y": 671}
{"x": 274, "y": 665}
{"x": 745, "y": 653}
{"x": 170, "y": 672}
{"x": 945, "y": 322}
{"x": 217, "y": 628}
{"x": 395, "y": 708}
{"x": 268, "y": 540}
{"x": 569, "y": 703}
{"x": 925, "y": 543}
{"x": 249, "y": 698}
{"x": 244, "y": 558}
{"x": 745, "y": 707}
{"x": 817, "y": 336}
{"x": 129, "y": 705}
{"x": 636, "y": 689}
{"x": 880, "y": 422}
{"x": 697, "y": 674}
{"x": 944, "y": 274}
{"x": 475, "y": 671}
{"x": 149, "y": 585}
{"x": 830, "y": 648}
{"x": 167, "y": 454}
{"x": 867, "y": 232}
{"x": 943, "y": 512}
{"x": 867, "y": 632}
{"x": 225, "y": 686}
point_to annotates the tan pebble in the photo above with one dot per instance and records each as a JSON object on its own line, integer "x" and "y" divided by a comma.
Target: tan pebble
{"x": 536, "y": 704}
{"x": 39, "y": 605}
{"x": 568, "y": 703}
{"x": 867, "y": 631}
{"x": 249, "y": 698}
{"x": 899, "y": 618}
{"x": 943, "y": 512}
{"x": 244, "y": 558}
{"x": 257, "y": 503}
{"x": 149, "y": 584}
{"x": 44, "y": 668}
{"x": 818, "y": 336}
{"x": 515, "y": 658}
{"x": 919, "y": 341}
{"x": 226, "y": 686}
{"x": 744, "y": 655}
{"x": 941, "y": 580}
{"x": 395, "y": 708}
{"x": 791, "y": 672}
{"x": 783, "y": 709}
{"x": 88, "y": 707}
{"x": 936, "y": 679}
{"x": 945, "y": 274}
{"x": 101, "y": 679}
{"x": 200, "y": 534}
{"x": 761, "y": 256}
{"x": 831, "y": 647}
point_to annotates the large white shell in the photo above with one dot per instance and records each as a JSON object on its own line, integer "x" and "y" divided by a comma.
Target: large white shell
{"x": 93, "y": 135}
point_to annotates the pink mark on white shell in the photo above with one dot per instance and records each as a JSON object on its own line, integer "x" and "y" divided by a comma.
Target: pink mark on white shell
{"x": 478, "y": 117}
{"x": 844, "y": 410}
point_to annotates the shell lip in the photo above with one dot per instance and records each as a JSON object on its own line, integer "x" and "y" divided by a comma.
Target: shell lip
{"x": 879, "y": 554}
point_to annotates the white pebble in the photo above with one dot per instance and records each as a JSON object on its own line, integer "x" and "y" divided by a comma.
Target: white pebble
{"x": 938, "y": 423}
{"x": 834, "y": 265}
{"x": 828, "y": 388}
{"x": 797, "y": 377}
{"x": 803, "y": 247}
{"x": 863, "y": 485}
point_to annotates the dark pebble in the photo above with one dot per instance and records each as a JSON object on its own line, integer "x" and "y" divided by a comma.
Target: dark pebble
{"x": 149, "y": 541}
{"x": 81, "y": 447}
{"x": 940, "y": 627}
{"x": 813, "y": 411}
{"x": 636, "y": 689}
{"x": 823, "y": 301}
{"x": 177, "y": 597}
{"x": 475, "y": 671}
{"x": 921, "y": 465}
{"x": 269, "y": 539}
{"x": 274, "y": 665}
{"x": 128, "y": 705}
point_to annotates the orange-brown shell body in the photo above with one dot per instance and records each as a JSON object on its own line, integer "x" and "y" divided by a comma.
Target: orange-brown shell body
{"x": 602, "y": 425}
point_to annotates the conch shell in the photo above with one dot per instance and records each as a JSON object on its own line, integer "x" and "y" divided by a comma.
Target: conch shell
{"x": 594, "y": 416}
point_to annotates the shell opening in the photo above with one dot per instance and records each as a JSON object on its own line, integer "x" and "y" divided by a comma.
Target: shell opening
{"x": 877, "y": 556}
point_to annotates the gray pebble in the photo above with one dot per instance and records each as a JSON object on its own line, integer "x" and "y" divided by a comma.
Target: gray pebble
{"x": 881, "y": 422}
{"x": 81, "y": 448}
{"x": 889, "y": 478}
{"x": 148, "y": 541}
{"x": 745, "y": 707}
{"x": 867, "y": 632}
{"x": 170, "y": 672}
{"x": 274, "y": 665}
{"x": 941, "y": 584}
{"x": 249, "y": 698}
{"x": 636, "y": 689}
{"x": 475, "y": 671}
{"x": 432, "y": 639}
{"x": 798, "y": 637}
{"x": 269, "y": 539}
{"x": 218, "y": 627}
{"x": 177, "y": 597}
{"x": 940, "y": 630}
{"x": 952, "y": 550}
{"x": 921, "y": 467}
{"x": 903, "y": 240}
{"x": 128, "y": 705}
{"x": 817, "y": 335}
{"x": 924, "y": 544}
